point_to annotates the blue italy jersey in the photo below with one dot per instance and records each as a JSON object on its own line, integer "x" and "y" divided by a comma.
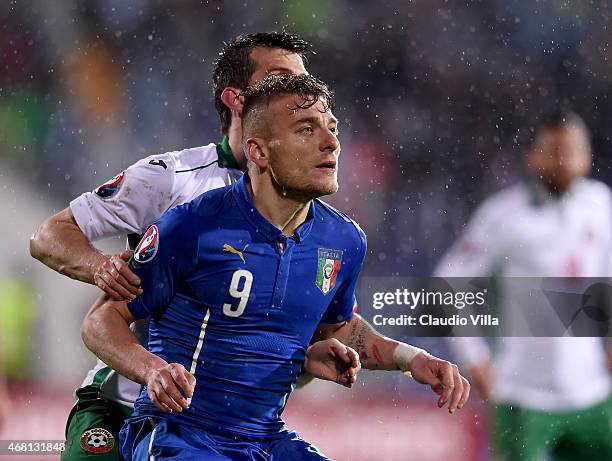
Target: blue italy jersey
{"x": 237, "y": 303}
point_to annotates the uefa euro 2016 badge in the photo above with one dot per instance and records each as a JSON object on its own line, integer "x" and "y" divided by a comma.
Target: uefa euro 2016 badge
{"x": 97, "y": 440}
{"x": 147, "y": 248}
{"x": 110, "y": 187}
{"x": 328, "y": 268}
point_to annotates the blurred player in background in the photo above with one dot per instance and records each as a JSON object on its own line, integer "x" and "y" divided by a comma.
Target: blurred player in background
{"x": 244, "y": 276}
{"x": 551, "y": 396}
{"x": 129, "y": 203}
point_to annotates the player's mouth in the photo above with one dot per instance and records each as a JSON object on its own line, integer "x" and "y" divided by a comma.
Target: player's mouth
{"x": 329, "y": 165}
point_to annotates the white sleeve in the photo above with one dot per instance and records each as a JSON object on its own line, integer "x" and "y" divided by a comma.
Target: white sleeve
{"x": 478, "y": 248}
{"x": 470, "y": 351}
{"x": 128, "y": 203}
{"x": 473, "y": 254}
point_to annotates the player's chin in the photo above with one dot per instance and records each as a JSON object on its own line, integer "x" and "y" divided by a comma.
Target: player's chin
{"x": 314, "y": 187}
{"x": 325, "y": 186}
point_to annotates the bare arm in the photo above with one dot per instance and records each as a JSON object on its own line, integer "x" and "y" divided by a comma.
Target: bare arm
{"x": 60, "y": 244}
{"x": 105, "y": 331}
{"x": 377, "y": 352}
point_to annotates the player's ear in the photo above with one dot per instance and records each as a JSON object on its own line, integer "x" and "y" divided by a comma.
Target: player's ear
{"x": 231, "y": 97}
{"x": 256, "y": 152}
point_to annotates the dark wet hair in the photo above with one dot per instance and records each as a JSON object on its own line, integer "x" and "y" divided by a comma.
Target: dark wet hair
{"x": 554, "y": 119}
{"x": 561, "y": 117}
{"x": 309, "y": 88}
{"x": 234, "y": 66}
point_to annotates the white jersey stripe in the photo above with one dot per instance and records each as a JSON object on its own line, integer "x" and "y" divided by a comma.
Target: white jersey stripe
{"x": 198, "y": 349}
{"x": 151, "y": 457}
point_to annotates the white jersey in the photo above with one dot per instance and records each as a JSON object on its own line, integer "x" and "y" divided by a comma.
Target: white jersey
{"x": 523, "y": 232}
{"x": 131, "y": 201}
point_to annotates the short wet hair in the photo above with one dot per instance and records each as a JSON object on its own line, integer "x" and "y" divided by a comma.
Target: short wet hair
{"x": 308, "y": 88}
{"x": 234, "y": 66}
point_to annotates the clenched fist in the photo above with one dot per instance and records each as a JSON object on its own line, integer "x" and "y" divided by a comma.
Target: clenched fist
{"x": 333, "y": 361}
{"x": 115, "y": 278}
{"x": 170, "y": 387}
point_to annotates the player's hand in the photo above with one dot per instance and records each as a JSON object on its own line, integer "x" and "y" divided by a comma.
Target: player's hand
{"x": 444, "y": 379}
{"x": 333, "y": 361}
{"x": 170, "y": 387}
{"x": 115, "y": 278}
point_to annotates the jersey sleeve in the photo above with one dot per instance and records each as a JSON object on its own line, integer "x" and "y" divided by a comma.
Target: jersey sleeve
{"x": 470, "y": 351}
{"x": 607, "y": 234}
{"x": 344, "y": 303}
{"x": 128, "y": 203}
{"x": 164, "y": 259}
{"x": 474, "y": 254}
{"x": 476, "y": 251}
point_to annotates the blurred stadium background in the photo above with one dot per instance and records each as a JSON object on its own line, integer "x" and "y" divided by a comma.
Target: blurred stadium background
{"x": 436, "y": 100}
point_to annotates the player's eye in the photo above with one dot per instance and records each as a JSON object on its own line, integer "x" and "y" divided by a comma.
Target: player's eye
{"x": 334, "y": 129}
{"x": 307, "y": 130}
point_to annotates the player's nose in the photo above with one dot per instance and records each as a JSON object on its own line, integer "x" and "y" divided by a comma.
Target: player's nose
{"x": 329, "y": 142}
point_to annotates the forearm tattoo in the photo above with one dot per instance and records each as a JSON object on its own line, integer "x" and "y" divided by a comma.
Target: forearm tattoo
{"x": 358, "y": 340}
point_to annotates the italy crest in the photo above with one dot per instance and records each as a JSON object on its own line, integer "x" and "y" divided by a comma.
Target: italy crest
{"x": 328, "y": 268}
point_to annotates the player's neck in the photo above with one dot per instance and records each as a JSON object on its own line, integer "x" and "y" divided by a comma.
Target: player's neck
{"x": 554, "y": 189}
{"x": 234, "y": 135}
{"x": 285, "y": 213}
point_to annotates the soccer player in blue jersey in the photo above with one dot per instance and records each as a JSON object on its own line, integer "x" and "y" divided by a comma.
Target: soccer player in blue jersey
{"x": 133, "y": 200}
{"x": 238, "y": 283}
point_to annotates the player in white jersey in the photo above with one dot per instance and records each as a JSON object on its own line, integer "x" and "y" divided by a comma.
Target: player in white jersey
{"x": 129, "y": 203}
{"x": 551, "y": 395}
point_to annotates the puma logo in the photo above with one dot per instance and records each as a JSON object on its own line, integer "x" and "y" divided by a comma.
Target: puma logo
{"x": 231, "y": 249}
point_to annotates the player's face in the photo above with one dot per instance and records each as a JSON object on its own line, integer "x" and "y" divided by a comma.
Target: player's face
{"x": 561, "y": 155}
{"x": 275, "y": 61}
{"x": 303, "y": 148}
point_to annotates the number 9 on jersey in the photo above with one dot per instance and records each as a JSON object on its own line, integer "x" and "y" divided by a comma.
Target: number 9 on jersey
{"x": 241, "y": 294}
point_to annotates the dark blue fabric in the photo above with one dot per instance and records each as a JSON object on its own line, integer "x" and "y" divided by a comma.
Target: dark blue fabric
{"x": 250, "y": 355}
{"x": 163, "y": 440}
